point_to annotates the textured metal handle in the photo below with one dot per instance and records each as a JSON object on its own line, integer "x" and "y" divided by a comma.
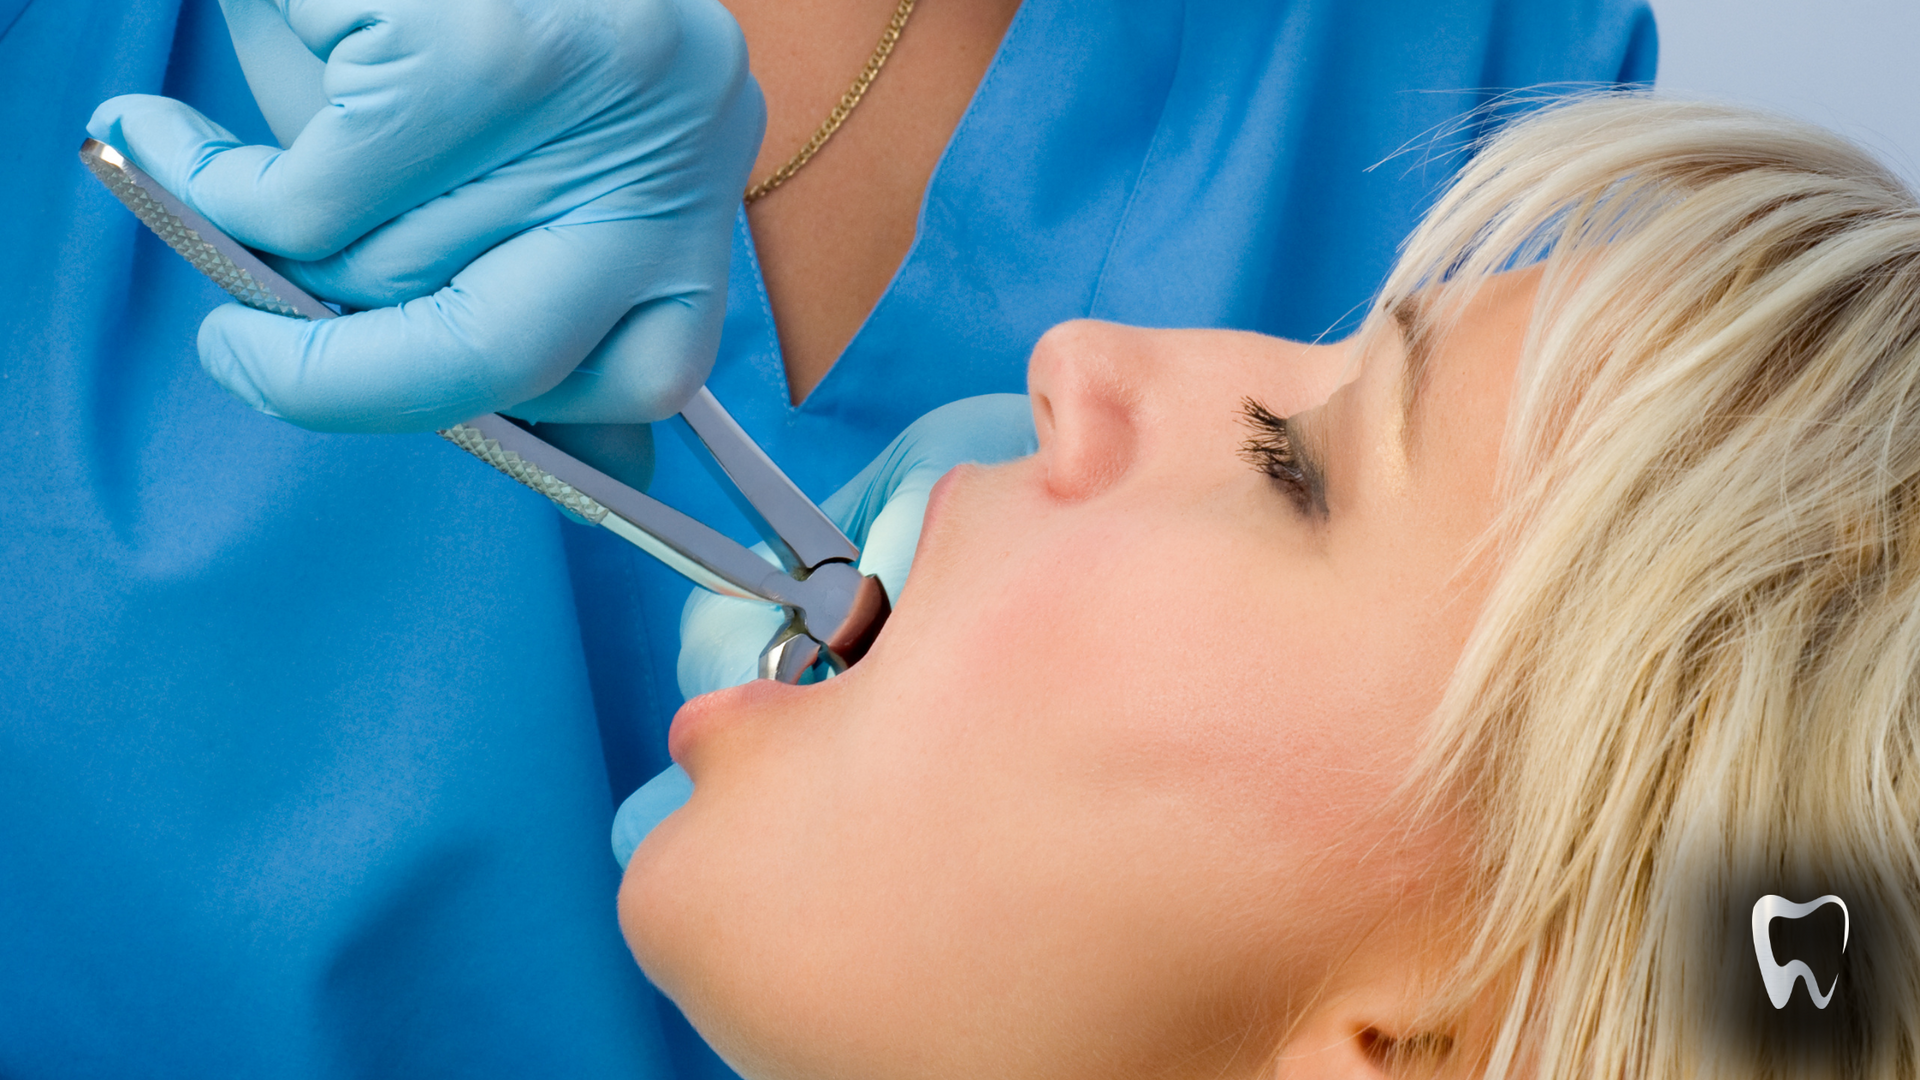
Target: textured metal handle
{"x": 243, "y": 275}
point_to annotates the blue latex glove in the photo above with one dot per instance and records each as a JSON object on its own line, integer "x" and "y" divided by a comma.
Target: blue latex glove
{"x": 881, "y": 510}
{"x": 535, "y": 203}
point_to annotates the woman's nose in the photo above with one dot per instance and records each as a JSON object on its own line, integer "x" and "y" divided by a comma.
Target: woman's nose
{"x": 1109, "y": 398}
{"x": 1087, "y": 380}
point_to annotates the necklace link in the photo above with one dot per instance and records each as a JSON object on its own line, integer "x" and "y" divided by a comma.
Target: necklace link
{"x": 842, "y": 110}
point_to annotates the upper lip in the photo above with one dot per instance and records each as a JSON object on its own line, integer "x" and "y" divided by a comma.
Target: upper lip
{"x": 719, "y": 707}
{"x": 940, "y": 495}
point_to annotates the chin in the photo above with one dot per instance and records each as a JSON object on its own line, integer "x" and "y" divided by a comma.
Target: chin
{"x": 673, "y": 916}
{"x": 649, "y": 918}
{"x": 682, "y": 944}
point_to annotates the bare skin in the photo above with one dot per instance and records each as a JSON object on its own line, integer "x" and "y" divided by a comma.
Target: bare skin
{"x": 1114, "y": 794}
{"x": 830, "y": 240}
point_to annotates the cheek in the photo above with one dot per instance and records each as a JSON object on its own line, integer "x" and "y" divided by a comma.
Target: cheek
{"x": 1222, "y": 697}
{"x": 1098, "y": 779}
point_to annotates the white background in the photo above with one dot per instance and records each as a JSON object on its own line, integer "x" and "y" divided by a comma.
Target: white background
{"x": 1850, "y": 65}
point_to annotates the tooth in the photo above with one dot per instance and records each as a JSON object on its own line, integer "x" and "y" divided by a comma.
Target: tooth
{"x": 1780, "y": 978}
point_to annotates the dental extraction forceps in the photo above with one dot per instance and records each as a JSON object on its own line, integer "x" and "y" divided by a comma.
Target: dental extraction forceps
{"x": 833, "y": 611}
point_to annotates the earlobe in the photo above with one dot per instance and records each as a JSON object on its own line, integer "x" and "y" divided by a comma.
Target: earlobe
{"x": 1367, "y": 1053}
{"x": 1420, "y": 1054}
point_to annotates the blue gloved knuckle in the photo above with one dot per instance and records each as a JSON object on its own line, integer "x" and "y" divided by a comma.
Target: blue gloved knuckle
{"x": 709, "y": 41}
{"x": 745, "y": 118}
{"x": 655, "y": 399}
{"x": 323, "y": 24}
{"x": 104, "y": 124}
{"x": 657, "y": 357}
{"x": 448, "y": 129}
{"x": 284, "y": 74}
{"x": 648, "y": 37}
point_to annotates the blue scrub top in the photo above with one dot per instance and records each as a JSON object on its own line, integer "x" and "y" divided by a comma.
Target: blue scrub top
{"x": 310, "y": 743}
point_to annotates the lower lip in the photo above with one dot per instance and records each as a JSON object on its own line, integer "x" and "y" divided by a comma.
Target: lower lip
{"x": 710, "y": 712}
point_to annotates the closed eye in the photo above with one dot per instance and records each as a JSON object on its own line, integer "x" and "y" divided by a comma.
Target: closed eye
{"x": 1271, "y": 449}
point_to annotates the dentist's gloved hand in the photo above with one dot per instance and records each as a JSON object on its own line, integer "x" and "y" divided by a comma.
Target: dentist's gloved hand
{"x": 881, "y": 511}
{"x": 534, "y": 201}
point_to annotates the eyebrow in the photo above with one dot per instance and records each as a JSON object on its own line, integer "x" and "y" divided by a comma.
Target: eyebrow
{"x": 1307, "y": 436}
{"x": 1304, "y": 429}
{"x": 1415, "y": 329}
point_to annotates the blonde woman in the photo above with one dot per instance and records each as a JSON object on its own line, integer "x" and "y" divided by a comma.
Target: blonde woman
{"x": 1439, "y": 702}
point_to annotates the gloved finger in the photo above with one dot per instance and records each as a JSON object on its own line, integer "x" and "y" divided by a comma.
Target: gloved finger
{"x": 417, "y": 102}
{"x": 721, "y": 638}
{"x": 168, "y": 139}
{"x": 985, "y": 429}
{"x": 887, "y": 551}
{"x": 284, "y": 75}
{"x": 892, "y": 504}
{"x": 653, "y": 174}
{"x": 508, "y": 328}
{"x": 646, "y": 808}
{"x": 419, "y": 252}
{"x": 627, "y": 379}
{"x": 417, "y": 97}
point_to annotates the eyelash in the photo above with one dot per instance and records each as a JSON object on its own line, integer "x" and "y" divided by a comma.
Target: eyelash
{"x": 1270, "y": 451}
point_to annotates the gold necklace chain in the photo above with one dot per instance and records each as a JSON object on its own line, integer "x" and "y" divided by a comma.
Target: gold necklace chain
{"x": 844, "y": 109}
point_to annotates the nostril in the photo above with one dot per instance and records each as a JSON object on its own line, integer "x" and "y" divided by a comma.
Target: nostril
{"x": 1091, "y": 453}
{"x": 1042, "y": 417}
{"x": 1091, "y": 442}
{"x": 1085, "y": 379}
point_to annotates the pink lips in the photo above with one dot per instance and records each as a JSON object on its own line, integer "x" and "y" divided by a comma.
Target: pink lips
{"x": 710, "y": 712}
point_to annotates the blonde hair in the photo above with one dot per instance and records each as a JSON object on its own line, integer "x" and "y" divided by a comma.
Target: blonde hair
{"x": 1697, "y": 677}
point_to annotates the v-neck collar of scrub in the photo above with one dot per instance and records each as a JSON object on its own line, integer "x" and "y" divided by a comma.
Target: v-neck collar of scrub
{"x": 830, "y": 382}
{"x": 10, "y": 11}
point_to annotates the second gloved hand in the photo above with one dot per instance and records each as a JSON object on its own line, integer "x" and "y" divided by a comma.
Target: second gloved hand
{"x": 533, "y": 202}
{"x": 881, "y": 510}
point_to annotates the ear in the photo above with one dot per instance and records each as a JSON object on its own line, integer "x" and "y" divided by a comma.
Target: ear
{"x": 1358, "y": 1051}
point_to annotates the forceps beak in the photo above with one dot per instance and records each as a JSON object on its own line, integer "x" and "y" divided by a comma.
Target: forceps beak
{"x": 834, "y": 612}
{"x": 794, "y": 649}
{"x": 807, "y": 543}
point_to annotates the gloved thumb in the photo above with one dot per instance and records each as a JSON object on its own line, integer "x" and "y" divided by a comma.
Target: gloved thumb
{"x": 721, "y": 638}
{"x": 232, "y": 333}
{"x": 647, "y": 808}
